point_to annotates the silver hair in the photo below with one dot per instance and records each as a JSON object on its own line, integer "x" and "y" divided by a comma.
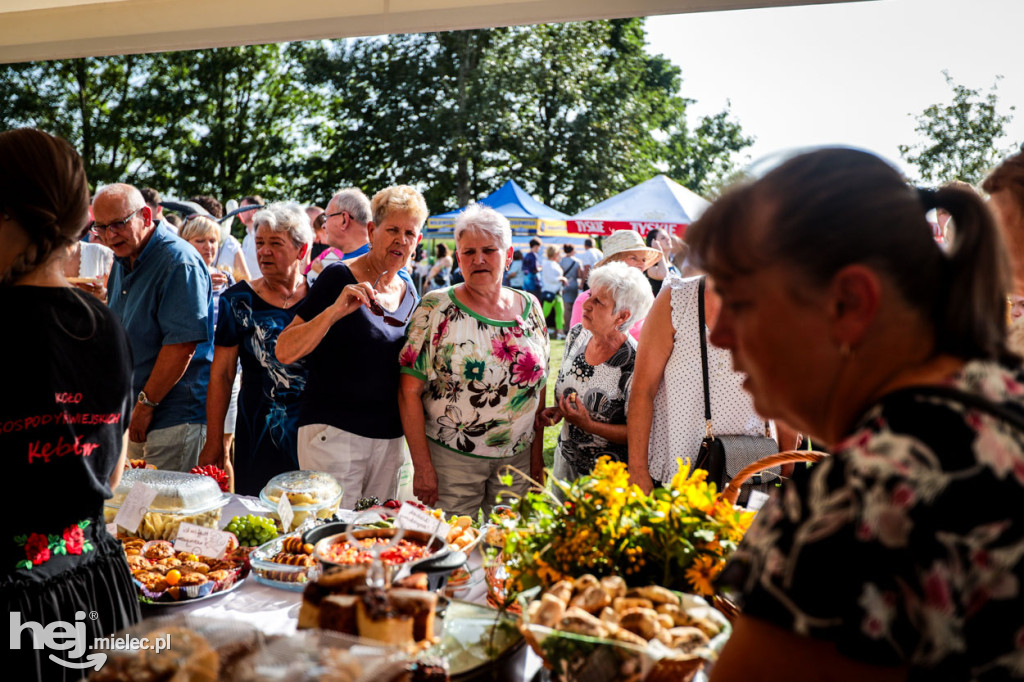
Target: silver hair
{"x": 352, "y": 201}
{"x": 628, "y": 288}
{"x": 480, "y": 218}
{"x": 285, "y": 217}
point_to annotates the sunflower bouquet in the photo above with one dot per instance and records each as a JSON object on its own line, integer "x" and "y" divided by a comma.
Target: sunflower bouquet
{"x": 678, "y": 536}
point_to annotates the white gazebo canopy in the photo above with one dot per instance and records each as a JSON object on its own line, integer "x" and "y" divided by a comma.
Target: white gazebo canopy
{"x": 33, "y": 30}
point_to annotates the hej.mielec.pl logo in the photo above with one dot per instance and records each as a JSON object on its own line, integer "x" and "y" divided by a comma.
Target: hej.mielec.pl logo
{"x": 71, "y": 637}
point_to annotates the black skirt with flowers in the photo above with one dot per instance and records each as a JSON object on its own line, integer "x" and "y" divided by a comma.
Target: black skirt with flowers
{"x": 77, "y": 574}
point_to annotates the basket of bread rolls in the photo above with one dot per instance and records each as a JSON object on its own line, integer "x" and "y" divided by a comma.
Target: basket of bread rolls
{"x": 600, "y": 629}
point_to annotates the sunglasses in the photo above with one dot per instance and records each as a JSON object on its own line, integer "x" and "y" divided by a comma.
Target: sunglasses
{"x": 377, "y": 310}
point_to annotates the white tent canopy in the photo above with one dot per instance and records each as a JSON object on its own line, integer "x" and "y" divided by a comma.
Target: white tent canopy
{"x": 657, "y": 203}
{"x": 58, "y": 29}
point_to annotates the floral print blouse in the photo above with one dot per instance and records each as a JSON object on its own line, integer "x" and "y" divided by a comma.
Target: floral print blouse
{"x": 907, "y": 546}
{"x": 484, "y": 378}
{"x": 604, "y": 390}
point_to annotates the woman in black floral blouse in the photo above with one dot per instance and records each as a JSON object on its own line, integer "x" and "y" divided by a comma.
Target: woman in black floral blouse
{"x": 902, "y": 556}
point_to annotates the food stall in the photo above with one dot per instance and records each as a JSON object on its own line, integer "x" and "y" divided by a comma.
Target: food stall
{"x": 605, "y": 583}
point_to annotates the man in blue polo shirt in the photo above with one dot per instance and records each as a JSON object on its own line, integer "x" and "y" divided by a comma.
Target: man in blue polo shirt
{"x": 160, "y": 288}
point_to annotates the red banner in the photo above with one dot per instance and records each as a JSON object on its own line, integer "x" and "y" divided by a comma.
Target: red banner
{"x": 603, "y": 228}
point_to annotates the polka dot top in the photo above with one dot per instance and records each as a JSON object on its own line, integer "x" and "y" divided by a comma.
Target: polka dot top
{"x": 678, "y": 425}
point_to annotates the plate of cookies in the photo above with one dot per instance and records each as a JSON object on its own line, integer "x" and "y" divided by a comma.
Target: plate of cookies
{"x": 167, "y": 577}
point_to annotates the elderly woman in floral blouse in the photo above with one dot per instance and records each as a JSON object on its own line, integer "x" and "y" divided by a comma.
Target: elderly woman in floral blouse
{"x": 474, "y": 370}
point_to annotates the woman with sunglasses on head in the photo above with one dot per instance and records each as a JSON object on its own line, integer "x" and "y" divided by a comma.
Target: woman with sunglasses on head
{"x": 901, "y": 556}
{"x": 252, "y": 315}
{"x": 57, "y": 559}
{"x": 350, "y": 330}
{"x": 474, "y": 368}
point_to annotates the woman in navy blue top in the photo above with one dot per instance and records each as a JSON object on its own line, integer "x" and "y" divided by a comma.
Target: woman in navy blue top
{"x": 250, "y": 319}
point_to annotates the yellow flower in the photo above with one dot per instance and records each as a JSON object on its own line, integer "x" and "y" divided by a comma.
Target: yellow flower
{"x": 701, "y": 574}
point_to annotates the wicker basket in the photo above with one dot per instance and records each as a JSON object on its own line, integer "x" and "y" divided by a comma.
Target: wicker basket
{"x": 732, "y": 492}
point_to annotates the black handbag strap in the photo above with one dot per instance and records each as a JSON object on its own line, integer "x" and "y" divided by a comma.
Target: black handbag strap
{"x": 704, "y": 353}
{"x": 702, "y": 329}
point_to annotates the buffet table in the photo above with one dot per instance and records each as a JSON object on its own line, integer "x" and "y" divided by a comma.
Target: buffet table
{"x": 275, "y": 611}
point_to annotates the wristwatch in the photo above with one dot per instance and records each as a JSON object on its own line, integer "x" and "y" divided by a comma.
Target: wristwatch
{"x": 146, "y": 401}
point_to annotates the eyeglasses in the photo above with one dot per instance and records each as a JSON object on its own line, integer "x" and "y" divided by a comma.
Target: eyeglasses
{"x": 377, "y": 310}
{"x": 117, "y": 224}
{"x": 331, "y": 215}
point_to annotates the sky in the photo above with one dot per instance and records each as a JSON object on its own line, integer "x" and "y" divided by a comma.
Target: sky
{"x": 850, "y": 73}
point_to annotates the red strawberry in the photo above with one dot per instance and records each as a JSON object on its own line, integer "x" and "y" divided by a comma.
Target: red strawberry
{"x": 214, "y": 472}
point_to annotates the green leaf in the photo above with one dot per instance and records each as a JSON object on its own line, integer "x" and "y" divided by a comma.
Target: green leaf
{"x": 21, "y": 539}
{"x": 24, "y": 563}
{"x": 84, "y": 524}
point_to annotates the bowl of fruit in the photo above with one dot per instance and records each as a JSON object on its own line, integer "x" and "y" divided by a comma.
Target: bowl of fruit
{"x": 251, "y": 530}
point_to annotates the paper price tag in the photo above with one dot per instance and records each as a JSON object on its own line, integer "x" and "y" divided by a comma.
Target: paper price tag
{"x": 202, "y": 541}
{"x": 756, "y": 500}
{"x": 347, "y": 515}
{"x": 135, "y": 506}
{"x": 252, "y": 504}
{"x": 412, "y": 518}
{"x": 284, "y": 510}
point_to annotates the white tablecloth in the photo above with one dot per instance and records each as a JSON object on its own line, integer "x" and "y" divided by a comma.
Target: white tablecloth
{"x": 275, "y": 611}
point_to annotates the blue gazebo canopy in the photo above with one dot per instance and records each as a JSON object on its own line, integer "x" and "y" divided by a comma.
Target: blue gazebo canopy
{"x": 512, "y": 201}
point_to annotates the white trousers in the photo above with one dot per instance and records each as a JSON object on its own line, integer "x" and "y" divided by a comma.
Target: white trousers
{"x": 364, "y": 467}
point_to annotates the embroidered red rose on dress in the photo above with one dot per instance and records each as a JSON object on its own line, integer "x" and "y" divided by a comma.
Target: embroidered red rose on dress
{"x": 37, "y": 548}
{"x": 73, "y": 539}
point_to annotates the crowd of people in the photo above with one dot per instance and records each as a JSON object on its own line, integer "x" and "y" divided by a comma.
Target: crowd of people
{"x": 830, "y": 308}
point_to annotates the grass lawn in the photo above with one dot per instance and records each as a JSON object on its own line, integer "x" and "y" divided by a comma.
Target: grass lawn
{"x": 551, "y": 433}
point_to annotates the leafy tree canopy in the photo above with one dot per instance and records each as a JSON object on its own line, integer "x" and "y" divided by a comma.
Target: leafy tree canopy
{"x": 962, "y": 137}
{"x": 575, "y": 112}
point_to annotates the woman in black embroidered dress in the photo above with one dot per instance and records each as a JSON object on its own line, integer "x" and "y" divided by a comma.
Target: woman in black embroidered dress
{"x": 61, "y": 434}
{"x": 901, "y": 557}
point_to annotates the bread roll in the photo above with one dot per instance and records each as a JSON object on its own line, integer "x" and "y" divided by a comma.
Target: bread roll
{"x": 614, "y": 585}
{"x": 563, "y": 590}
{"x": 655, "y": 593}
{"x": 643, "y": 622}
{"x": 584, "y": 581}
{"x": 592, "y": 599}
{"x": 550, "y": 612}
{"x": 623, "y": 604}
{"x": 686, "y": 639}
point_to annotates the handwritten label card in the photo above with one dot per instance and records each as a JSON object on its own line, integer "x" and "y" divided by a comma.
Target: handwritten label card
{"x": 202, "y": 541}
{"x": 284, "y": 510}
{"x": 252, "y": 504}
{"x": 347, "y": 515}
{"x": 135, "y": 506}
{"x": 412, "y": 518}
{"x": 756, "y": 500}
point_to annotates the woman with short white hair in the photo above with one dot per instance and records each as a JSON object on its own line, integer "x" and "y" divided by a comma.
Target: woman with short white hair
{"x": 474, "y": 370}
{"x": 597, "y": 370}
{"x": 252, "y": 315}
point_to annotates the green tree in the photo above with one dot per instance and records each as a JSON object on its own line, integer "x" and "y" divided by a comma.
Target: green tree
{"x": 575, "y": 112}
{"x": 110, "y": 108}
{"x": 216, "y": 122}
{"x": 961, "y": 137}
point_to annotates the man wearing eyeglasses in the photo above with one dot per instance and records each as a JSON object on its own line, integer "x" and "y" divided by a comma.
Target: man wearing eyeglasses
{"x": 345, "y": 221}
{"x": 160, "y": 288}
